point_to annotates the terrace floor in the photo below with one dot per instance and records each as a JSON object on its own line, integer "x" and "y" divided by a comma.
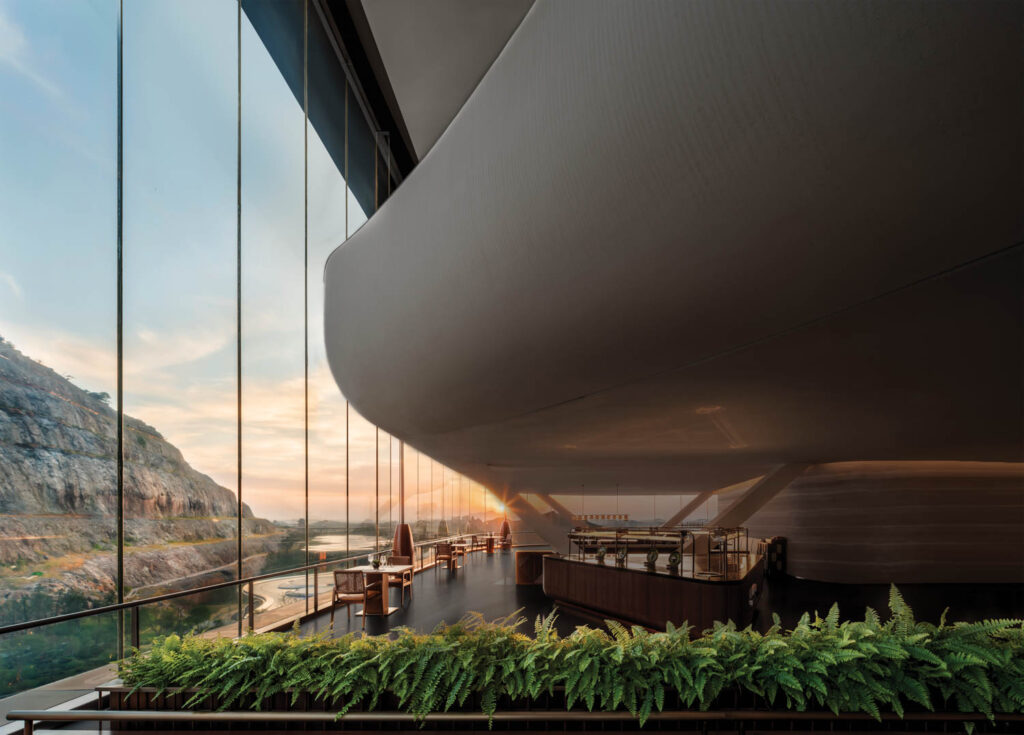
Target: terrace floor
{"x": 485, "y": 583}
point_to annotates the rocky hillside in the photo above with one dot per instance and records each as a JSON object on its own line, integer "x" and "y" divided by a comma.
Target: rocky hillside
{"x": 58, "y": 497}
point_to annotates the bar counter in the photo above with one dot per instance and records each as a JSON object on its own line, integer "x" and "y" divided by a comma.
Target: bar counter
{"x": 633, "y": 593}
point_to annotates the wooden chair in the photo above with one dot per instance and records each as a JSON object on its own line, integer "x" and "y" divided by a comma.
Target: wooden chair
{"x": 474, "y": 542}
{"x": 406, "y": 577}
{"x": 444, "y": 552}
{"x": 350, "y": 586}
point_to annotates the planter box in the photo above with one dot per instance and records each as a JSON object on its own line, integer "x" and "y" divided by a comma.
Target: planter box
{"x": 734, "y": 712}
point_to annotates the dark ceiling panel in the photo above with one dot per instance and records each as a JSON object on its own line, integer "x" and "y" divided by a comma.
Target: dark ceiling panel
{"x": 279, "y": 24}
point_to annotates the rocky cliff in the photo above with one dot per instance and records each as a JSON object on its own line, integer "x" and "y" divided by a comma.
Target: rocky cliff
{"x": 58, "y": 498}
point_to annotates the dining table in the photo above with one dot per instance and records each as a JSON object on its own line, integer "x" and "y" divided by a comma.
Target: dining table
{"x": 460, "y": 548}
{"x": 383, "y": 574}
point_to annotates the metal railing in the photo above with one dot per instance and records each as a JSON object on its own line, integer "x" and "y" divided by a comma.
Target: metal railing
{"x": 29, "y": 717}
{"x": 133, "y": 606}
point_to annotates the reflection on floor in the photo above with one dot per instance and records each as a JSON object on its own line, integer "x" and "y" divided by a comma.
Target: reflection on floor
{"x": 58, "y": 693}
{"x": 484, "y": 584}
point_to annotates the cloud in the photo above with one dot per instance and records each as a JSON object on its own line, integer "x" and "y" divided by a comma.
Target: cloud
{"x": 147, "y": 350}
{"x": 15, "y": 52}
{"x": 11, "y": 282}
{"x": 91, "y": 365}
{"x": 196, "y": 412}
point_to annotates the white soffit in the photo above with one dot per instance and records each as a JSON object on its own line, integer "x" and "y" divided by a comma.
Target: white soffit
{"x": 436, "y": 51}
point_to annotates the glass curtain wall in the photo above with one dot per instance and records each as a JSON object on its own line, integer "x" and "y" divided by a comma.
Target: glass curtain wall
{"x": 331, "y": 205}
{"x": 436, "y": 507}
{"x": 623, "y": 508}
{"x": 178, "y": 324}
{"x": 58, "y": 335}
{"x": 273, "y": 312}
{"x": 418, "y": 504}
{"x": 383, "y": 490}
{"x": 216, "y": 445}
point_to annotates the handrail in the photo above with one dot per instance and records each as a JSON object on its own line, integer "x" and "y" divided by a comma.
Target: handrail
{"x": 30, "y": 716}
{"x": 131, "y": 604}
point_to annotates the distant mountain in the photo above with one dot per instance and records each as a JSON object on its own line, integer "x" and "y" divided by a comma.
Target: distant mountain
{"x": 58, "y": 499}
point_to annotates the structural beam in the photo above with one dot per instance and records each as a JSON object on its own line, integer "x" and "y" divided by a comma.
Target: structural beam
{"x": 553, "y": 532}
{"x": 758, "y": 495}
{"x": 563, "y": 512}
{"x": 687, "y": 510}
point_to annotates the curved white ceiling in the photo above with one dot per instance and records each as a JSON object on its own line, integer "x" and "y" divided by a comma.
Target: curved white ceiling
{"x": 435, "y": 53}
{"x": 677, "y": 243}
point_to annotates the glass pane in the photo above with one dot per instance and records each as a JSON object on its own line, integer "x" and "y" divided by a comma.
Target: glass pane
{"x": 458, "y": 504}
{"x": 475, "y": 495}
{"x": 434, "y": 504}
{"x": 411, "y": 494}
{"x": 362, "y": 513}
{"x": 363, "y": 168}
{"x": 443, "y": 505}
{"x": 493, "y": 510}
{"x": 57, "y": 355}
{"x": 455, "y": 495}
{"x": 273, "y": 314}
{"x": 58, "y": 320}
{"x": 356, "y": 215}
{"x": 213, "y": 613}
{"x": 627, "y": 509}
{"x": 387, "y": 498}
{"x": 327, "y": 214}
{"x": 417, "y": 495}
{"x": 37, "y": 657}
{"x": 179, "y": 295}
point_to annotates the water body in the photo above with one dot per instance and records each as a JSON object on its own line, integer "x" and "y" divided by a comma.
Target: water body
{"x": 282, "y": 590}
{"x": 336, "y": 543}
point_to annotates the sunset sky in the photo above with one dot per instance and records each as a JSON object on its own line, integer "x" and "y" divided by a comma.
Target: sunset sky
{"x": 58, "y": 256}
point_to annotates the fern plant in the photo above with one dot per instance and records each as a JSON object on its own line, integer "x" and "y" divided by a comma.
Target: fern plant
{"x": 870, "y": 666}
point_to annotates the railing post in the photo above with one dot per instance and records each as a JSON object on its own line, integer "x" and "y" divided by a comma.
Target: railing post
{"x": 316, "y": 589}
{"x": 252, "y": 624}
{"x": 135, "y": 626}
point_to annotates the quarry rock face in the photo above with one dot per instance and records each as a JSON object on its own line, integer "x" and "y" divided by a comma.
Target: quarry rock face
{"x": 58, "y": 499}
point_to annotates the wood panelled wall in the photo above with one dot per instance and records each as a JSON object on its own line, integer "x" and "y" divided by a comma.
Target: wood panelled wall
{"x": 868, "y": 522}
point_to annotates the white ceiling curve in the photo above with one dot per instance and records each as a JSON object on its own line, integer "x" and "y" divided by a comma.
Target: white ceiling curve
{"x": 436, "y": 51}
{"x": 670, "y": 245}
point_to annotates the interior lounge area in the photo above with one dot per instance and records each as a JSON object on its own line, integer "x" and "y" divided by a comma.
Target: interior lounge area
{"x": 516, "y": 365}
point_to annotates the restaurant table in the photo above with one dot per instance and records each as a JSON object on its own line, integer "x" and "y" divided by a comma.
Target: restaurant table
{"x": 460, "y": 548}
{"x": 381, "y": 605}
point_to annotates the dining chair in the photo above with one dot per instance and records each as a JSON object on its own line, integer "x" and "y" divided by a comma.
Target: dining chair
{"x": 443, "y": 552}
{"x": 406, "y": 576}
{"x": 350, "y": 586}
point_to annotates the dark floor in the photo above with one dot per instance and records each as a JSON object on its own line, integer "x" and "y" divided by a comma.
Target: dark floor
{"x": 486, "y": 584}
